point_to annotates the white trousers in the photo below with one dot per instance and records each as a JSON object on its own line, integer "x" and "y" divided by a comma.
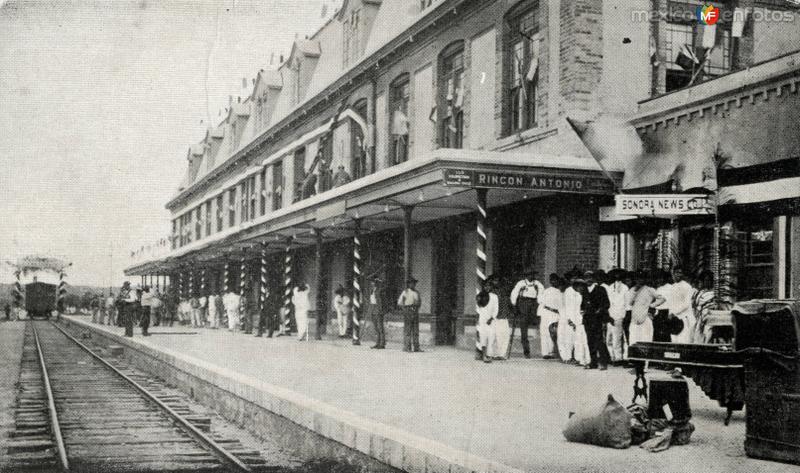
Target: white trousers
{"x": 641, "y": 332}
{"x": 213, "y": 317}
{"x": 581, "y": 346}
{"x": 614, "y": 338}
{"x": 342, "y": 320}
{"x": 486, "y": 337}
{"x": 197, "y": 317}
{"x": 566, "y": 339}
{"x": 688, "y": 328}
{"x": 502, "y": 335}
{"x": 233, "y": 318}
{"x": 301, "y": 317}
{"x": 547, "y": 344}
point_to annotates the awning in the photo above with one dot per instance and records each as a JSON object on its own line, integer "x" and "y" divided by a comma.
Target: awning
{"x": 438, "y": 186}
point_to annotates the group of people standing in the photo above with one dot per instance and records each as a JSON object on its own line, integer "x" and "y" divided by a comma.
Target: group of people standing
{"x": 589, "y": 318}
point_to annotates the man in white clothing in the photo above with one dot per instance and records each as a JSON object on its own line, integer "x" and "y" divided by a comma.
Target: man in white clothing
{"x": 617, "y": 291}
{"x": 231, "y": 302}
{"x": 213, "y": 315}
{"x": 573, "y": 300}
{"x": 550, "y": 306}
{"x": 301, "y": 304}
{"x": 338, "y": 305}
{"x": 487, "y": 306}
{"x": 681, "y": 306}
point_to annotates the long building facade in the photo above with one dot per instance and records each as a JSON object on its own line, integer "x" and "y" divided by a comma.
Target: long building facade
{"x": 431, "y": 139}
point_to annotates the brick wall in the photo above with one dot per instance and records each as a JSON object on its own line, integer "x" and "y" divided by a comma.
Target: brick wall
{"x": 578, "y": 229}
{"x": 581, "y": 52}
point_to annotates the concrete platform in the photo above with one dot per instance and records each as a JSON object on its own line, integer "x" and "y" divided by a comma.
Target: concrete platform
{"x": 439, "y": 410}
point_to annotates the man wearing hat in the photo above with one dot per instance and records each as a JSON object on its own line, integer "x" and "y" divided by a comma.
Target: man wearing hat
{"x": 128, "y": 302}
{"x": 375, "y": 307}
{"x": 595, "y": 317}
{"x": 409, "y": 302}
{"x": 525, "y": 297}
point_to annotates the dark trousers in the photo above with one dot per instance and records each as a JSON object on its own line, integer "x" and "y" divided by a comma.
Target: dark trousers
{"x": 661, "y": 327}
{"x": 527, "y": 318}
{"x": 129, "y": 311}
{"x": 262, "y": 322}
{"x": 410, "y": 329}
{"x": 322, "y": 320}
{"x": 377, "y": 321}
{"x": 626, "y": 325}
{"x": 144, "y": 320}
{"x": 598, "y": 351}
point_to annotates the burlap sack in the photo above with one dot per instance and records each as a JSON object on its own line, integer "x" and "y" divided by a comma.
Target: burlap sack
{"x": 608, "y": 426}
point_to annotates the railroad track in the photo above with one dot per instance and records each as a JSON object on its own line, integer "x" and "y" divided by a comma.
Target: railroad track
{"x": 78, "y": 412}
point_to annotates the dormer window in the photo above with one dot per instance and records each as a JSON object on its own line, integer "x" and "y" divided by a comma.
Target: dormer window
{"x": 351, "y": 38}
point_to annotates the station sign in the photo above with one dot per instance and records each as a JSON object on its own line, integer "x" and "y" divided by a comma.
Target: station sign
{"x": 663, "y": 204}
{"x": 536, "y": 181}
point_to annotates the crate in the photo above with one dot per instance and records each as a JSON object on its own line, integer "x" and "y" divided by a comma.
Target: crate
{"x": 772, "y": 377}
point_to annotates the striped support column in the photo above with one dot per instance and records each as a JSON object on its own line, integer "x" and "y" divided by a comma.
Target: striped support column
{"x": 191, "y": 282}
{"x": 480, "y": 268}
{"x": 18, "y": 294}
{"x": 356, "y": 281}
{"x": 203, "y": 282}
{"x": 181, "y": 288}
{"x": 62, "y": 290}
{"x": 262, "y": 289}
{"x": 287, "y": 279}
{"x": 226, "y": 281}
{"x": 242, "y": 288}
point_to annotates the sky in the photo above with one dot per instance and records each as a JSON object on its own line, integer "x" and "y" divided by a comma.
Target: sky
{"x": 99, "y": 102}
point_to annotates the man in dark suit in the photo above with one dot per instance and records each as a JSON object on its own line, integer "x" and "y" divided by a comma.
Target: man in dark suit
{"x": 595, "y": 317}
{"x": 375, "y": 307}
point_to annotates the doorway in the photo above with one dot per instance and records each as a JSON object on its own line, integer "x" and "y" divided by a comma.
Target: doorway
{"x": 445, "y": 303}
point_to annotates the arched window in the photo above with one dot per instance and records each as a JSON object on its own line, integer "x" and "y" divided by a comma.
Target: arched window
{"x": 451, "y": 96}
{"x": 358, "y": 163}
{"x": 521, "y": 47}
{"x": 399, "y": 126}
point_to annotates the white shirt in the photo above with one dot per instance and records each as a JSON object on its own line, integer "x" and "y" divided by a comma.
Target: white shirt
{"x": 131, "y": 296}
{"x": 300, "y": 299}
{"x": 409, "y": 297}
{"x": 665, "y": 291}
{"x": 551, "y": 302}
{"x": 527, "y": 289}
{"x": 617, "y": 294}
{"x": 572, "y": 305}
{"x": 490, "y": 311}
{"x": 231, "y": 301}
{"x": 682, "y": 293}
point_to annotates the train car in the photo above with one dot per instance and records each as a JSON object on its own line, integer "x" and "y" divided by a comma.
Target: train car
{"x": 40, "y": 299}
{"x": 40, "y": 286}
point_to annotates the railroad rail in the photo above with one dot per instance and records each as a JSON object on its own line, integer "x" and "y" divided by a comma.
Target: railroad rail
{"x": 77, "y": 411}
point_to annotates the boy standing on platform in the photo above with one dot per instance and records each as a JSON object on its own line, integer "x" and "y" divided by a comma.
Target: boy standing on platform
{"x": 617, "y": 295}
{"x": 551, "y": 305}
{"x": 409, "y": 302}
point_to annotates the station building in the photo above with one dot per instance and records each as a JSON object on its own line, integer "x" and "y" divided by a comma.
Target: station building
{"x": 430, "y": 139}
